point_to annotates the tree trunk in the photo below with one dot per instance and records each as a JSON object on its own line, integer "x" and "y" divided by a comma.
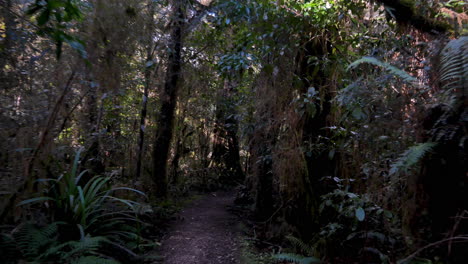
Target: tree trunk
{"x": 168, "y": 104}
{"x": 318, "y": 165}
{"x": 144, "y": 105}
{"x": 262, "y": 166}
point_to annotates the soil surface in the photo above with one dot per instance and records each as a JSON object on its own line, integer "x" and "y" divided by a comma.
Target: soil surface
{"x": 205, "y": 233}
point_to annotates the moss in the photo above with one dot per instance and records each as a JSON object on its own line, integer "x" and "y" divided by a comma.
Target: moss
{"x": 444, "y": 25}
{"x": 464, "y": 32}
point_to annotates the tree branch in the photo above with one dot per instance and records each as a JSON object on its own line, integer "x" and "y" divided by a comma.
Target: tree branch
{"x": 405, "y": 12}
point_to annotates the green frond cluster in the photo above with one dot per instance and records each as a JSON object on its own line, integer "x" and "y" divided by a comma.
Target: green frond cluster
{"x": 297, "y": 259}
{"x": 103, "y": 221}
{"x": 411, "y": 157}
{"x": 300, "y": 245}
{"x": 42, "y": 245}
{"x": 31, "y": 241}
{"x": 392, "y": 69}
{"x": 454, "y": 66}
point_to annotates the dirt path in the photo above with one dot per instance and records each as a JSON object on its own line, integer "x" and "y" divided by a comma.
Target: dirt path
{"x": 206, "y": 233}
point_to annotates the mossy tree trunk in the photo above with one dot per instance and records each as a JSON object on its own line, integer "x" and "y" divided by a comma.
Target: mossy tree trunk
{"x": 165, "y": 121}
{"x": 318, "y": 164}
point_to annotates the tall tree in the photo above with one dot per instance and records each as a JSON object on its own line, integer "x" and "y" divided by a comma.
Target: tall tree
{"x": 162, "y": 142}
{"x": 149, "y": 69}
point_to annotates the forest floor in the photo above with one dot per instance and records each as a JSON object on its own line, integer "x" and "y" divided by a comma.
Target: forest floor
{"x": 205, "y": 232}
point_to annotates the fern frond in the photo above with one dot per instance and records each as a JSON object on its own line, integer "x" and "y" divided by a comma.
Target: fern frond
{"x": 87, "y": 244}
{"x": 72, "y": 249}
{"x": 297, "y": 259}
{"x": 454, "y": 66}
{"x": 411, "y": 157}
{"x": 51, "y": 231}
{"x": 31, "y": 240}
{"x": 392, "y": 69}
{"x": 300, "y": 245}
{"x": 94, "y": 260}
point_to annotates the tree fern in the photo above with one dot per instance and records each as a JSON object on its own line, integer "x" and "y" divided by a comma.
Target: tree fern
{"x": 392, "y": 69}
{"x": 454, "y": 66}
{"x": 411, "y": 157}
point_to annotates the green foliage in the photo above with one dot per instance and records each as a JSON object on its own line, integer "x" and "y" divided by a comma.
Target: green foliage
{"x": 351, "y": 206}
{"x": 457, "y": 5}
{"x": 229, "y": 63}
{"x": 308, "y": 103}
{"x": 86, "y": 209}
{"x": 454, "y": 66}
{"x": 31, "y": 241}
{"x": 392, "y": 69}
{"x": 411, "y": 157}
{"x": 87, "y": 206}
{"x": 43, "y": 245}
{"x": 302, "y": 247}
{"x": 250, "y": 254}
{"x": 53, "y": 18}
{"x": 355, "y": 220}
{"x": 297, "y": 259}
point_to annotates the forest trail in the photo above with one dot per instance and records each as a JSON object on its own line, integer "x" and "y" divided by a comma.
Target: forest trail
{"x": 205, "y": 233}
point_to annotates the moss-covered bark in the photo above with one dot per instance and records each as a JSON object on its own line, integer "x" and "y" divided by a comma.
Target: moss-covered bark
{"x": 406, "y": 12}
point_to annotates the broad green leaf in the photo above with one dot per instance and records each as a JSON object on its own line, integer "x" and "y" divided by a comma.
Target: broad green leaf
{"x": 360, "y": 214}
{"x": 35, "y": 200}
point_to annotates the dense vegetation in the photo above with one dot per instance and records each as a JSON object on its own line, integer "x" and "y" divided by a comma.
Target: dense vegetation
{"x": 344, "y": 122}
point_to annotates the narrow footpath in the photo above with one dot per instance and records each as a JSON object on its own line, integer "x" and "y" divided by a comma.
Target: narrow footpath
{"x": 205, "y": 233}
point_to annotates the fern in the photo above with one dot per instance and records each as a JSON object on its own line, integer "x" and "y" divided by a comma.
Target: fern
{"x": 454, "y": 66}
{"x": 392, "y": 69}
{"x": 32, "y": 240}
{"x": 300, "y": 245}
{"x": 40, "y": 245}
{"x": 94, "y": 260}
{"x": 297, "y": 259}
{"x": 100, "y": 217}
{"x": 71, "y": 249}
{"x": 411, "y": 157}
{"x": 88, "y": 206}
